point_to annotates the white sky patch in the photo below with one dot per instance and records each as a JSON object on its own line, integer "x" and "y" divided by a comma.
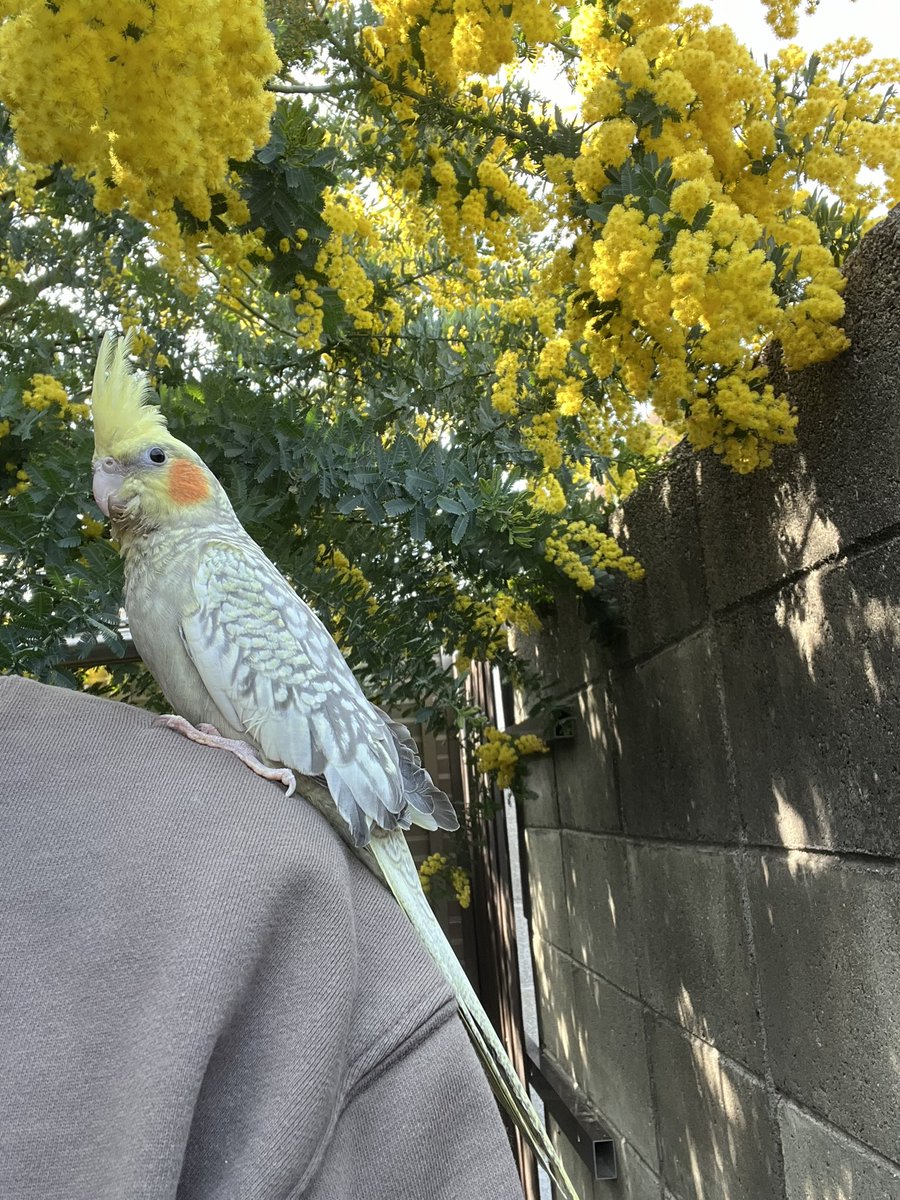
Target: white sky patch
{"x": 832, "y": 20}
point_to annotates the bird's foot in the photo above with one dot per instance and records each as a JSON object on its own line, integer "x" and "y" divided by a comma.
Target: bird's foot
{"x": 208, "y": 735}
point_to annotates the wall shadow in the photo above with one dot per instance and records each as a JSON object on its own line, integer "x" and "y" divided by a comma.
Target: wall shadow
{"x": 732, "y": 899}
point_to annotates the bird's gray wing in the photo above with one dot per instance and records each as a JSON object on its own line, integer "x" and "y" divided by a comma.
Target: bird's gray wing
{"x": 432, "y": 808}
{"x": 269, "y": 662}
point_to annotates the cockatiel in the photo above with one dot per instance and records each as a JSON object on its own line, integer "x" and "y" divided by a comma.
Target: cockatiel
{"x": 248, "y": 666}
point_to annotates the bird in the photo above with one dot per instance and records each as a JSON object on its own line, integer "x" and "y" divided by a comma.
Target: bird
{"x": 248, "y": 667}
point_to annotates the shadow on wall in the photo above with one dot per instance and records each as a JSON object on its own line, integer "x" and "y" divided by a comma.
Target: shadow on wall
{"x": 783, "y": 587}
{"x": 809, "y": 667}
{"x": 745, "y": 932}
{"x": 811, "y": 691}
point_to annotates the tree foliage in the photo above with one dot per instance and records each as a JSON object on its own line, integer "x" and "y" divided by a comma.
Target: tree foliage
{"x": 439, "y": 320}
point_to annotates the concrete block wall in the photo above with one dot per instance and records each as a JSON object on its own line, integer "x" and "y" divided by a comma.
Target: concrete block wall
{"x": 714, "y": 861}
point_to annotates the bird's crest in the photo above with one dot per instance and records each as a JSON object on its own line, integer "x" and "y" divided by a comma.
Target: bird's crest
{"x": 121, "y": 400}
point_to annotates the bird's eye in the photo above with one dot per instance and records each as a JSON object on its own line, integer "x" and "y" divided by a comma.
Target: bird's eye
{"x": 156, "y": 455}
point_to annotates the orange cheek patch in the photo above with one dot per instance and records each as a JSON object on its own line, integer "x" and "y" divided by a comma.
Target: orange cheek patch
{"x": 187, "y": 483}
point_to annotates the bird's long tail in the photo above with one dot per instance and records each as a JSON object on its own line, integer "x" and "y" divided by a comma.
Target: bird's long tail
{"x": 396, "y": 863}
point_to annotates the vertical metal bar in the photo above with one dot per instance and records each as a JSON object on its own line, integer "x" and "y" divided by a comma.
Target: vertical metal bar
{"x": 494, "y": 922}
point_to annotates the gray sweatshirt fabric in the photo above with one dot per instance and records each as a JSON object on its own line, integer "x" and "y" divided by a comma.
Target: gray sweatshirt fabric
{"x": 203, "y": 994}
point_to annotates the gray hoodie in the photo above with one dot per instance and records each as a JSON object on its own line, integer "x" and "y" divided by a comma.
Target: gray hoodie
{"x": 203, "y": 994}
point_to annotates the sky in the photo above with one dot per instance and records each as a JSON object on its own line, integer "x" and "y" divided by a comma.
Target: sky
{"x": 877, "y": 20}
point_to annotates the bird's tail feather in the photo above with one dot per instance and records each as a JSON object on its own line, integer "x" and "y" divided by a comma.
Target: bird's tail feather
{"x": 397, "y": 866}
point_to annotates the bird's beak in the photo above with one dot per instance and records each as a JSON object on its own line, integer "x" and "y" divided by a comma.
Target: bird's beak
{"x": 108, "y": 478}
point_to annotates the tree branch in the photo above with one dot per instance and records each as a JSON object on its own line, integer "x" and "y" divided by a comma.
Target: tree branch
{"x": 311, "y": 89}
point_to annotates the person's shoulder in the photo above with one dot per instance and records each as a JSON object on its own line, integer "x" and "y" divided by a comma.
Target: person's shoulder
{"x": 47, "y": 710}
{"x": 131, "y": 778}
{"x": 104, "y": 776}
{"x": 20, "y": 697}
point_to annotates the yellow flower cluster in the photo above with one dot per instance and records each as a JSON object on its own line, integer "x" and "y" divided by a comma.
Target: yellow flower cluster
{"x": 431, "y": 866}
{"x": 514, "y": 612}
{"x": 480, "y": 218}
{"x": 742, "y": 424}
{"x": 426, "y": 429}
{"x": 547, "y": 494}
{"x": 485, "y": 635}
{"x": 45, "y": 392}
{"x": 570, "y": 398}
{"x": 690, "y": 287}
{"x": 349, "y": 575}
{"x": 349, "y": 280}
{"x": 578, "y": 549}
{"x": 91, "y": 529}
{"x": 500, "y": 754}
{"x": 807, "y": 331}
{"x": 620, "y": 483}
{"x": 309, "y": 309}
{"x": 539, "y": 307}
{"x": 354, "y": 237}
{"x": 553, "y": 358}
{"x": 148, "y": 101}
{"x": 540, "y": 436}
{"x": 456, "y": 38}
{"x": 684, "y": 234}
{"x": 781, "y": 15}
{"x": 96, "y": 677}
{"x": 22, "y": 484}
{"x": 505, "y": 391}
{"x": 487, "y": 624}
{"x": 437, "y": 865}
{"x": 461, "y": 886}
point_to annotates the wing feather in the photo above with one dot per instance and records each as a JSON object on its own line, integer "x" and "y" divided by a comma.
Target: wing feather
{"x": 432, "y": 808}
{"x": 273, "y": 669}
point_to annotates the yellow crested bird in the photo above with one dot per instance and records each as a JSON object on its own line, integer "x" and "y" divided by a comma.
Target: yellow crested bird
{"x": 249, "y": 667}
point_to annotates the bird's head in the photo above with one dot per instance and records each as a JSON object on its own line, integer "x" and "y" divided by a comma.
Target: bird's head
{"x": 144, "y": 478}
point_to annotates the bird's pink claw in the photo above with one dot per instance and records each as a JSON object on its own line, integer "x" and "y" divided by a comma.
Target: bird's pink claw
{"x": 208, "y": 735}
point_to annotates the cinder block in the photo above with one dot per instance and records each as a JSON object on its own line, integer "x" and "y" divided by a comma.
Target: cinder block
{"x": 659, "y": 525}
{"x": 694, "y": 960}
{"x": 547, "y": 886}
{"x": 821, "y": 1164}
{"x": 716, "y": 1136}
{"x": 636, "y": 1181}
{"x": 841, "y": 481}
{"x": 760, "y": 528}
{"x": 585, "y": 772}
{"x": 812, "y": 696}
{"x": 673, "y": 774}
{"x": 567, "y": 650}
{"x": 539, "y": 803}
{"x": 600, "y": 918}
{"x": 556, "y": 1005}
{"x": 849, "y": 418}
{"x": 827, "y": 939}
{"x": 611, "y": 1065}
{"x": 572, "y": 1161}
